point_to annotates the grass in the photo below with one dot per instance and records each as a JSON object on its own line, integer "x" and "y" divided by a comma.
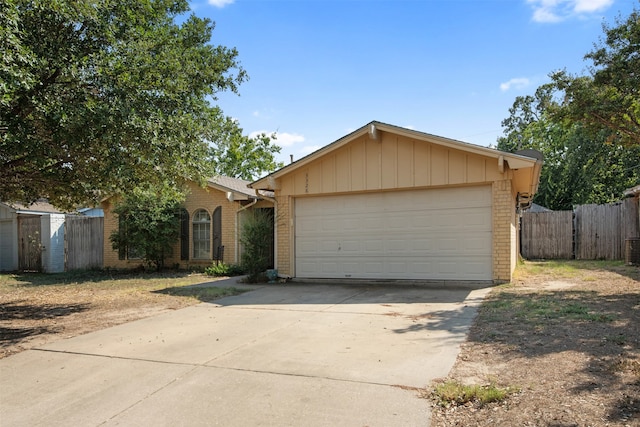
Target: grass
{"x": 453, "y": 393}
{"x": 116, "y": 282}
{"x": 102, "y": 279}
{"x": 543, "y": 306}
{"x": 566, "y": 269}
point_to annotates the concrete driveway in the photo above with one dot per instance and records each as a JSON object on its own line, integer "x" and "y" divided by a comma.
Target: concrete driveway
{"x": 279, "y": 355}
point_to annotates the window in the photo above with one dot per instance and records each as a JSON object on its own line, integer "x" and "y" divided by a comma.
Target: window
{"x": 201, "y": 235}
{"x": 126, "y": 251}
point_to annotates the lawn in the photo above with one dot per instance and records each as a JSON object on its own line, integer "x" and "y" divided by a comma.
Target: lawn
{"x": 563, "y": 338}
{"x": 39, "y": 308}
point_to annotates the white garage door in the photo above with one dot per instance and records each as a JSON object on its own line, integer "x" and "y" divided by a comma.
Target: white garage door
{"x": 420, "y": 234}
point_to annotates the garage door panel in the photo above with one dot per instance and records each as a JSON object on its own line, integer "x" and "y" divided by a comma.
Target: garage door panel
{"x": 425, "y": 234}
{"x": 405, "y": 268}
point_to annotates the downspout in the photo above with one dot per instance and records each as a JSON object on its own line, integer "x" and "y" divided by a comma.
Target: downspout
{"x": 237, "y": 239}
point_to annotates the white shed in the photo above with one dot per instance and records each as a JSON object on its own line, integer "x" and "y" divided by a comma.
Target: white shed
{"x": 31, "y": 238}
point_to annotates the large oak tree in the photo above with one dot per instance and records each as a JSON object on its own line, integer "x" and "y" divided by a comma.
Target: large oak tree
{"x": 587, "y": 127}
{"x": 608, "y": 97}
{"x": 100, "y": 96}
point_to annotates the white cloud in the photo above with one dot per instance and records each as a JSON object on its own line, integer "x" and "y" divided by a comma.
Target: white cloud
{"x": 283, "y": 139}
{"x": 308, "y": 149}
{"x": 517, "y": 83}
{"x": 589, "y": 6}
{"x": 550, "y": 11}
{"x": 220, "y": 3}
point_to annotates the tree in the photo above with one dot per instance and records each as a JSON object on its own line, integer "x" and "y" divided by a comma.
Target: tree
{"x": 148, "y": 224}
{"x": 240, "y": 156}
{"x": 610, "y": 96}
{"x": 586, "y": 126}
{"x": 97, "y": 97}
{"x": 579, "y": 165}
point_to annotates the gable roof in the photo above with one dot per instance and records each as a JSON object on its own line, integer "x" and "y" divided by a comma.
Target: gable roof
{"x": 239, "y": 187}
{"x": 236, "y": 185}
{"x": 515, "y": 161}
{"x": 41, "y": 206}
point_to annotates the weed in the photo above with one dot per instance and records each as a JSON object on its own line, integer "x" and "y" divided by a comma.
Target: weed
{"x": 453, "y": 393}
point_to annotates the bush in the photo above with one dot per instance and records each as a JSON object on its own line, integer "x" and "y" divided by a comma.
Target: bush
{"x": 257, "y": 234}
{"x": 222, "y": 269}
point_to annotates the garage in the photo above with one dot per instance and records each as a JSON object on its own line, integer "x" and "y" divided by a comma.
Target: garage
{"x": 419, "y": 234}
{"x": 391, "y": 203}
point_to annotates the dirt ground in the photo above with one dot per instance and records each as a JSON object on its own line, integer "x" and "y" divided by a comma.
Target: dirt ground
{"x": 36, "y": 309}
{"x": 566, "y": 337}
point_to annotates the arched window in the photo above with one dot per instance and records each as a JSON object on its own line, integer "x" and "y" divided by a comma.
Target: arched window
{"x": 201, "y": 234}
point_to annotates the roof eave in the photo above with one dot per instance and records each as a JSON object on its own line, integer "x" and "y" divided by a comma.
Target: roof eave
{"x": 237, "y": 194}
{"x": 515, "y": 161}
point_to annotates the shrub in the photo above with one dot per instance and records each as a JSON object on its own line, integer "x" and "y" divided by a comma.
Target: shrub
{"x": 222, "y": 269}
{"x": 257, "y": 233}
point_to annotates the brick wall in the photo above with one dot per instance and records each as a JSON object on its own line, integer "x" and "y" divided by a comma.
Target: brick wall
{"x": 504, "y": 231}
{"x": 284, "y": 235}
{"x": 197, "y": 198}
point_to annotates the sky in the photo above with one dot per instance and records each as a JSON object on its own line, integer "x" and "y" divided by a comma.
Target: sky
{"x": 320, "y": 69}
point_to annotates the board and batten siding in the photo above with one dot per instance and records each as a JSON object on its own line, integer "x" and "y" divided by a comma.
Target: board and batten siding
{"x": 394, "y": 162}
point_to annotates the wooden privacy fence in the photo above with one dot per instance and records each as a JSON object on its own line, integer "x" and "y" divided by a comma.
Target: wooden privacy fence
{"x": 84, "y": 242}
{"x": 547, "y": 235}
{"x": 588, "y": 232}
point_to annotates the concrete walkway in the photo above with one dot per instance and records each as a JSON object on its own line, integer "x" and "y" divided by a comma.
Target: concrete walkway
{"x": 278, "y": 355}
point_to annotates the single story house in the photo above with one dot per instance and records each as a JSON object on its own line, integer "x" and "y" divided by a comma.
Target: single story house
{"x": 385, "y": 202}
{"x": 31, "y": 237}
{"x": 210, "y": 224}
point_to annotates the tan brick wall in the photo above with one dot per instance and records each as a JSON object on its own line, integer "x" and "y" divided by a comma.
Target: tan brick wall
{"x": 111, "y": 224}
{"x": 197, "y": 198}
{"x": 504, "y": 231}
{"x": 284, "y": 234}
{"x": 209, "y": 199}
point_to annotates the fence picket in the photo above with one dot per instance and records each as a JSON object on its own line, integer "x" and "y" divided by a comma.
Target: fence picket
{"x": 84, "y": 242}
{"x": 600, "y": 232}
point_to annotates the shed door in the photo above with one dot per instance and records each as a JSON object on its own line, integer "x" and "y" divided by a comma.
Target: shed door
{"x": 418, "y": 234}
{"x": 30, "y": 243}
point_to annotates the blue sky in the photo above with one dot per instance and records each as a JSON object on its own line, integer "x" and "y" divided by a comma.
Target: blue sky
{"x": 320, "y": 69}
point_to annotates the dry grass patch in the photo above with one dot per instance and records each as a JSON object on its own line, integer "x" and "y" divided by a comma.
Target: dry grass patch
{"x": 36, "y": 309}
{"x": 568, "y": 334}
